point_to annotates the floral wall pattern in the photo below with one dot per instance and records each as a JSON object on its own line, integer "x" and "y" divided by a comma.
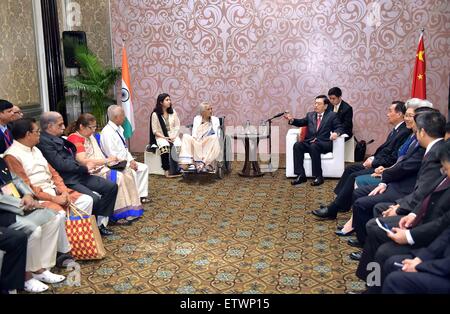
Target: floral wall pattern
{"x": 253, "y": 59}
{"x": 18, "y": 64}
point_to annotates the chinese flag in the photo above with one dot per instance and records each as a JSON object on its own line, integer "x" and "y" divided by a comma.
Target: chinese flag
{"x": 419, "y": 85}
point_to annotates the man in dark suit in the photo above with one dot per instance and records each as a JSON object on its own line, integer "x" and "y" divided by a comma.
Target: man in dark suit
{"x": 6, "y": 116}
{"x": 61, "y": 155}
{"x": 385, "y": 156}
{"x": 426, "y": 270}
{"x": 14, "y": 243}
{"x": 323, "y": 128}
{"x": 430, "y": 215}
{"x": 343, "y": 110}
{"x": 401, "y": 179}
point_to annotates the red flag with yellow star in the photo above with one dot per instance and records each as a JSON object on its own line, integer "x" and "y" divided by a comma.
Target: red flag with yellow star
{"x": 419, "y": 85}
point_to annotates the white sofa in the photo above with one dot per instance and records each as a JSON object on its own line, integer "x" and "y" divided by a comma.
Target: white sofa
{"x": 153, "y": 162}
{"x": 332, "y": 163}
{"x": 350, "y": 150}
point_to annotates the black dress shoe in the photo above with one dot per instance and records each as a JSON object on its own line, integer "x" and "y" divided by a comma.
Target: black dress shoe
{"x": 354, "y": 243}
{"x": 343, "y": 234}
{"x": 355, "y": 256}
{"x": 343, "y": 211}
{"x": 323, "y": 213}
{"x": 105, "y": 231}
{"x": 317, "y": 181}
{"x": 299, "y": 180}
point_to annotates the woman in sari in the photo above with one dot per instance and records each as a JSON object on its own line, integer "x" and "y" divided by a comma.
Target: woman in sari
{"x": 164, "y": 130}
{"x": 128, "y": 206}
{"x": 202, "y": 148}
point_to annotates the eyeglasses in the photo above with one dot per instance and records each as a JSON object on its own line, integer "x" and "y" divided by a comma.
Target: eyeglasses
{"x": 410, "y": 115}
{"x": 92, "y": 127}
{"x": 36, "y": 131}
{"x": 20, "y": 113}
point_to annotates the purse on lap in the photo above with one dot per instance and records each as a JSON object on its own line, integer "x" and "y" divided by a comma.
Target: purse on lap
{"x": 83, "y": 235}
{"x": 121, "y": 165}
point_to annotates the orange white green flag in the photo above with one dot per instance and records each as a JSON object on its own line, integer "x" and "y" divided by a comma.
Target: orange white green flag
{"x": 127, "y": 104}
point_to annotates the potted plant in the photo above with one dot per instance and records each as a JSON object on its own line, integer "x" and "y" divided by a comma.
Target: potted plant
{"x": 94, "y": 81}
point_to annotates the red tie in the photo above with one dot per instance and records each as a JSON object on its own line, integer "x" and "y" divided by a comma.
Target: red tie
{"x": 319, "y": 119}
{"x": 8, "y": 138}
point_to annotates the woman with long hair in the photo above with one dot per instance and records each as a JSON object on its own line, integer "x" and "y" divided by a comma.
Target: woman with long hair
{"x": 164, "y": 130}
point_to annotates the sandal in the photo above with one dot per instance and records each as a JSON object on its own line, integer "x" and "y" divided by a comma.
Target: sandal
{"x": 49, "y": 277}
{"x": 145, "y": 200}
{"x": 34, "y": 286}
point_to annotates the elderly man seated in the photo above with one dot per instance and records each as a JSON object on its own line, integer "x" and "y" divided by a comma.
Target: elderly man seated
{"x": 113, "y": 144}
{"x": 201, "y": 149}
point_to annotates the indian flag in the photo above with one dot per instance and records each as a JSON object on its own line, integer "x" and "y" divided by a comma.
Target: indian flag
{"x": 127, "y": 105}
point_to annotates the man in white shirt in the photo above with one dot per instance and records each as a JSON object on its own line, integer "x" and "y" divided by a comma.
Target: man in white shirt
{"x": 113, "y": 143}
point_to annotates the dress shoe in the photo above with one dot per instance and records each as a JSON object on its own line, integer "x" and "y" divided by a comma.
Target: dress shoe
{"x": 355, "y": 256}
{"x": 317, "y": 181}
{"x": 323, "y": 213}
{"x": 105, "y": 231}
{"x": 354, "y": 243}
{"x": 343, "y": 210}
{"x": 343, "y": 234}
{"x": 299, "y": 180}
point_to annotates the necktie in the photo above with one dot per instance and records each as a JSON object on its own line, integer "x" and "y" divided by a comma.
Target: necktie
{"x": 426, "y": 202}
{"x": 8, "y": 138}
{"x": 319, "y": 119}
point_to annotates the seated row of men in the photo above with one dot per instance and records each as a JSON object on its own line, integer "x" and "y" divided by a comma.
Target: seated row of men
{"x": 52, "y": 174}
{"x": 404, "y": 187}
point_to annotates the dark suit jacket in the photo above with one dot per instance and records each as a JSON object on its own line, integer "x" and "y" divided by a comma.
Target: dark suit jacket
{"x": 437, "y": 217}
{"x": 345, "y": 115}
{"x": 429, "y": 173}
{"x": 6, "y": 218}
{"x": 436, "y": 257}
{"x": 54, "y": 150}
{"x": 403, "y": 175}
{"x": 387, "y": 153}
{"x": 330, "y": 123}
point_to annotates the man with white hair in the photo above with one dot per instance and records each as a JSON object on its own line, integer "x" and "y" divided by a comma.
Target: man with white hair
{"x": 113, "y": 143}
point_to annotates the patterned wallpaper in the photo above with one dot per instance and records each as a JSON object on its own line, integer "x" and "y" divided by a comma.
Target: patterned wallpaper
{"x": 253, "y": 59}
{"x": 18, "y": 64}
{"x": 95, "y": 21}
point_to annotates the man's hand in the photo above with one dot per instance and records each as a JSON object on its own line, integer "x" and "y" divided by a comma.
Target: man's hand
{"x": 368, "y": 163}
{"x": 375, "y": 175}
{"x": 398, "y": 236}
{"x": 28, "y": 202}
{"x": 90, "y": 166}
{"x": 288, "y": 116}
{"x": 61, "y": 200}
{"x": 409, "y": 265}
{"x": 333, "y": 136}
{"x": 406, "y": 221}
{"x": 378, "y": 190}
{"x": 379, "y": 170}
{"x": 134, "y": 165}
{"x": 391, "y": 211}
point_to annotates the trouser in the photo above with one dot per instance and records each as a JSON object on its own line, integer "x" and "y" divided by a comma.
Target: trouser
{"x": 14, "y": 243}
{"x": 314, "y": 150}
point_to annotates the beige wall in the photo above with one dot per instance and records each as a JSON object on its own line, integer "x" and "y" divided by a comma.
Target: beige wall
{"x": 18, "y": 64}
{"x": 95, "y": 21}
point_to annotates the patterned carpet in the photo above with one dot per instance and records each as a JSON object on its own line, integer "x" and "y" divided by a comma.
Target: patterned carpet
{"x": 235, "y": 235}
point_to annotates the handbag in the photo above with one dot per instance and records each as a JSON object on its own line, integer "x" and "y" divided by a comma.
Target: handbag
{"x": 360, "y": 149}
{"x": 121, "y": 165}
{"x": 83, "y": 235}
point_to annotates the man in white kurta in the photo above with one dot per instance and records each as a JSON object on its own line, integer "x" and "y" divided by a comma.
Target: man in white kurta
{"x": 113, "y": 143}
